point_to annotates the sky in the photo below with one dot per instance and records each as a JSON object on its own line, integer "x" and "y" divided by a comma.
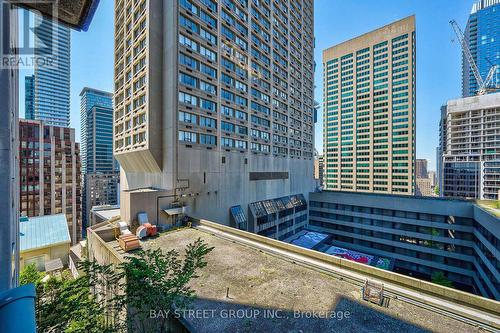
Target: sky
{"x": 438, "y": 54}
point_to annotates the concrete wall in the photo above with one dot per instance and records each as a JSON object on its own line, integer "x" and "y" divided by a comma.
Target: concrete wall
{"x": 217, "y": 186}
{"x": 49, "y": 253}
{"x": 470, "y": 265}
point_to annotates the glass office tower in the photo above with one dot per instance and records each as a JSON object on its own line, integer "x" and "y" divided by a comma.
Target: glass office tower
{"x": 482, "y": 35}
{"x": 52, "y": 82}
{"x": 29, "y": 97}
{"x": 99, "y": 168}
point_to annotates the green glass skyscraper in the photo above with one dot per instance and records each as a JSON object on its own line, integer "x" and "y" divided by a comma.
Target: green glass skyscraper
{"x": 369, "y": 111}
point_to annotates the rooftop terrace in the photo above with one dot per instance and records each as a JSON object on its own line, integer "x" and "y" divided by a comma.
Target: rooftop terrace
{"x": 264, "y": 274}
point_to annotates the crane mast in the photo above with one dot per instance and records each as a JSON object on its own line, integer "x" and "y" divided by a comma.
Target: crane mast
{"x": 482, "y": 84}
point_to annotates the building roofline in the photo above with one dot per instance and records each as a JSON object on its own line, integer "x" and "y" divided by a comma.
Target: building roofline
{"x": 402, "y": 196}
{"x": 410, "y": 17}
{"x": 102, "y": 92}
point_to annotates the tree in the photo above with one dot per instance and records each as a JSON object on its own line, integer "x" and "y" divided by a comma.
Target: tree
{"x": 113, "y": 299}
{"x": 29, "y": 274}
{"x": 436, "y": 190}
{"x": 438, "y": 277}
{"x": 159, "y": 281}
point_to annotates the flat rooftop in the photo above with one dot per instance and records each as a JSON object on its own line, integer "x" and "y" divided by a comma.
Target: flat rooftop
{"x": 263, "y": 280}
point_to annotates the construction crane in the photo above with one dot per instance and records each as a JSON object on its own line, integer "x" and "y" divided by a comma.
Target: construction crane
{"x": 485, "y": 85}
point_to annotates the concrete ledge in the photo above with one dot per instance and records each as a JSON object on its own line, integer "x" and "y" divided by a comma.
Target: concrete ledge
{"x": 445, "y": 293}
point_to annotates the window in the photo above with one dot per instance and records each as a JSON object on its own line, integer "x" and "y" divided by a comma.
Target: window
{"x": 208, "y": 105}
{"x": 188, "y": 43}
{"x": 226, "y": 110}
{"x": 205, "y": 69}
{"x": 240, "y": 100}
{"x": 210, "y": 88}
{"x": 227, "y": 95}
{"x": 187, "y": 23}
{"x": 208, "y": 122}
{"x": 206, "y": 139}
{"x": 227, "y": 79}
{"x": 187, "y": 117}
{"x": 208, "y": 36}
{"x": 188, "y": 99}
{"x": 225, "y": 126}
{"x": 241, "y": 86}
{"x": 241, "y": 144}
{"x": 187, "y": 136}
{"x": 188, "y": 80}
{"x": 208, "y": 54}
{"x": 188, "y": 61}
{"x": 227, "y": 142}
{"x": 208, "y": 19}
{"x": 241, "y": 115}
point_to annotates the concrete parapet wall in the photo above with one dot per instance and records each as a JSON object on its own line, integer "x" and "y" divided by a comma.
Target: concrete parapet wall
{"x": 413, "y": 284}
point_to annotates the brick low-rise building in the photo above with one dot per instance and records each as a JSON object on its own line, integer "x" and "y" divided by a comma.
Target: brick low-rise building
{"x": 49, "y": 167}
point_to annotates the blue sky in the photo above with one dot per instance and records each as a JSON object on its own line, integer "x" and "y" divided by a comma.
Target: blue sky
{"x": 438, "y": 58}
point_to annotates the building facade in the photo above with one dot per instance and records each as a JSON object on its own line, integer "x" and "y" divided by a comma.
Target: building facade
{"x": 50, "y": 175}
{"x": 39, "y": 247}
{"x": 432, "y": 177}
{"x": 470, "y": 153}
{"x": 424, "y": 187}
{"x": 99, "y": 168}
{"x": 29, "y": 97}
{"x": 319, "y": 169}
{"x": 422, "y": 235}
{"x": 52, "y": 83}
{"x": 96, "y": 118}
{"x": 369, "y": 111}
{"x": 213, "y": 104}
{"x": 482, "y": 36}
{"x": 421, "y": 168}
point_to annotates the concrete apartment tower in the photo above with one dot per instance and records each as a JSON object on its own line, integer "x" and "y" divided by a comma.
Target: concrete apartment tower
{"x": 469, "y": 148}
{"x": 369, "y": 111}
{"x": 213, "y": 107}
{"x": 49, "y": 166}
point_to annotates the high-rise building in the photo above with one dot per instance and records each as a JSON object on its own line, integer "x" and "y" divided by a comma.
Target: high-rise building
{"x": 369, "y": 111}
{"x": 470, "y": 153}
{"x": 52, "y": 82}
{"x": 99, "y": 168}
{"x": 96, "y": 115}
{"x": 424, "y": 187}
{"x": 319, "y": 168}
{"x": 432, "y": 177}
{"x": 213, "y": 101}
{"x": 482, "y": 36}
{"x": 50, "y": 175}
{"x": 29, "y": 97}
{"x": 421, "y": 168}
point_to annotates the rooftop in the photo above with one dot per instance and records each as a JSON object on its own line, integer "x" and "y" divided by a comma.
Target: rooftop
{"x": 387, "y": 31}
{"x": 491, "y": 206}
{"x": 43, "y": 231}
{"x": 262, "y": 274}
{"x": 106, "y": 212}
